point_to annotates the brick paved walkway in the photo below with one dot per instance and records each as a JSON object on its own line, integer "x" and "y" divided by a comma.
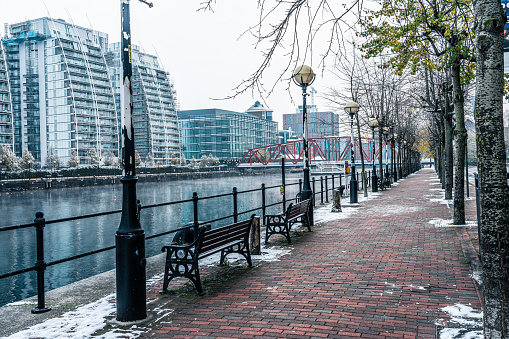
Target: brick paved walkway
{"x": 383, "y": 272}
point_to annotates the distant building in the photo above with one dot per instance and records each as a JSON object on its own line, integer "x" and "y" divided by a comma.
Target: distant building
{"x": 154, "y": 104}
{"x": 6, "y": 121}
{"x": 64, "y": 94}
{"x": 61, "y": 95}
{"x": 286, "y": 136}
{"x": 260, "y": 111}
{"x": 320, "y": 124}
{"x": 224, "y": 134}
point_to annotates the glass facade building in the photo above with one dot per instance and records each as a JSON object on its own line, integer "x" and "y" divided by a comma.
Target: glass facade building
{"x": 62, "y": 98}
{"x": 154, "y": 104}
{"x": 59, "y": 93}
{"x": 224, "y": 134}
{"x": 6, "y": 120}
{"x": 320, "y": 124}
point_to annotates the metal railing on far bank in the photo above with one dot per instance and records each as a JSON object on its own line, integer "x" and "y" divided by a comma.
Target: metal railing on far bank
{"x": 240, "y": 203}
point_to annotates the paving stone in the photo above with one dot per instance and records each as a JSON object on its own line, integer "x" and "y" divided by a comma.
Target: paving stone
{"x": 383, "y": 272}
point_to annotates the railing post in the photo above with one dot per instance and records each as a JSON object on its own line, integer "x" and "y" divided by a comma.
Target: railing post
{"x": 235, "y": 211}
{"x": 40, "y": 263}
{"x": 326, "y": 191}
{"x": 321, "y": 190}
{"x": 314, "y": 192}
{"x": 263, "y": 202}
{"x": 333, "y": 184}
{"x": 300, "y": 187}
{"x": 340, "y": 179}
{"x": 196, "y": 223}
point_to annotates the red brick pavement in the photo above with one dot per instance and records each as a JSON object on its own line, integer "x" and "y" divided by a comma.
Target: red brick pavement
{"x": 384, "y": 272}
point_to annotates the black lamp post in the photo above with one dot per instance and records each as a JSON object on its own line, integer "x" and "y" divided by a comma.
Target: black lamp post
{"x": 405, "y": 161}
{"x": 386, "y": 131}
{"x": 400, "y": 158}
{"x": 304, "y": 76}
{"x": 393, "y": 149}
{"x": 130, "y": 237}
{"x": 351, "y": 108}
{"x": 373, "y": 123}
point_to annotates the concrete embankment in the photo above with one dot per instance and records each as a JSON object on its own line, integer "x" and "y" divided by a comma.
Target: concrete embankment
{"x": 17, "y": 316}
{"x": 63, "y": 182}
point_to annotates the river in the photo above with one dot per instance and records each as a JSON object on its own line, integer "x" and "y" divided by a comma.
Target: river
{"x": 61, "y": 240}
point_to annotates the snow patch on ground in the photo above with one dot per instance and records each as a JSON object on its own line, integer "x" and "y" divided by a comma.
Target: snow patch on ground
{"x": 88, "y": 319}
{"x": 449, "y": 223}
{"x": 477, "y": 276}
{"x": 80, "y": 323}
{"x": 467, "y": 323}
{"x": 325, "y": 214}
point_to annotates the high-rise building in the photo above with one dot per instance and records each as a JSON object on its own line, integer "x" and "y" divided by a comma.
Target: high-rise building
{"x": 61, "y": 95}
{"x": 320, "y": 124}
{"x": 154, "y": 104}
{"x": 63, "y": 100}
{"x": 224, "y": 134}
{"x": 6, "y": 126}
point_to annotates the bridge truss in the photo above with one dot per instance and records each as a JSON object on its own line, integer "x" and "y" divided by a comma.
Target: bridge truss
{"x": 327, "y": 149}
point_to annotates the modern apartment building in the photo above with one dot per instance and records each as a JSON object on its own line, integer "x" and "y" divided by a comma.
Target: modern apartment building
{"x": 6, "y": 125}
{"x": 62, "y": 94}
{"x": 224, "y": 134}
{"x": 154, "y": 104}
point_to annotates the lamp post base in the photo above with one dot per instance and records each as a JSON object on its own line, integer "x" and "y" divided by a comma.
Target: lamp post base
{"x": 307, "y": 193}
{"x": 353, "y": 187}
{"x": 374, "y": 182}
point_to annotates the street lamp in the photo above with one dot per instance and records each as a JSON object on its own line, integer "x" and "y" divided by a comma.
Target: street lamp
{"x": 373, "y": 123}
{"x": 304, "y": 76}
{"x": 130, "y": 237}
{"x": 394, "y": 165}
{"x": 351, "y": 108}
{"x": 405, "y": 160}
{"x": 386, "y": 131}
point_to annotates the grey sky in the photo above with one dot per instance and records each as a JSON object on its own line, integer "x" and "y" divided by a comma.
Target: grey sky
{"x": 203, "y": 51}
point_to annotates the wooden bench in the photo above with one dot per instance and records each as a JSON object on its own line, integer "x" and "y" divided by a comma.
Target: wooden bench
{"x": 182, "y": 260}
{"x": 384, "y": 182}
{"x": 282, "y": 223}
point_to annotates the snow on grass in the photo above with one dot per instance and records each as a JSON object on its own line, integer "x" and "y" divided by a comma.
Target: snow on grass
{"x": 466, "y": 323}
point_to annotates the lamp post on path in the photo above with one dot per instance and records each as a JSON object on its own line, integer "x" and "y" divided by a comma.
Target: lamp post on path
{"x": 373, "y": 123}
{"x": 130, "y": 237}
{"x": 351, "y": 108}
{"x": 304, "y": 76}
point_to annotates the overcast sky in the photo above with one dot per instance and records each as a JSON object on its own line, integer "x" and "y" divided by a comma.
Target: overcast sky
{"x": 205, "y": 52}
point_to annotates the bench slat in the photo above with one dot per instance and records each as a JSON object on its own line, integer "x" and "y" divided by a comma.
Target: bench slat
{"x": 220, "y": 239}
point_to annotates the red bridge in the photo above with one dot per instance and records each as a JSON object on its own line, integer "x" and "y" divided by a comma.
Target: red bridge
{"x": 327, "y": 149}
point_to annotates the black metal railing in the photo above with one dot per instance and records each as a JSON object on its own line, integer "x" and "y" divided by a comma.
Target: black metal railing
{"x": 40, "y": 223}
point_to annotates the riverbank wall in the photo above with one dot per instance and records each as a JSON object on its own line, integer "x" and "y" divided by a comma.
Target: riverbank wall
{"x": 7, "y": 186}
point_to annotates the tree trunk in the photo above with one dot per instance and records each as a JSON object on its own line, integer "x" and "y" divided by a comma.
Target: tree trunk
{"x": 460, "y": 134}
{"x": 442, "y": 156}
{"x": 380, "y": 154}
{"x": 448, "y": 152}
{"x": 489, "y": 26}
